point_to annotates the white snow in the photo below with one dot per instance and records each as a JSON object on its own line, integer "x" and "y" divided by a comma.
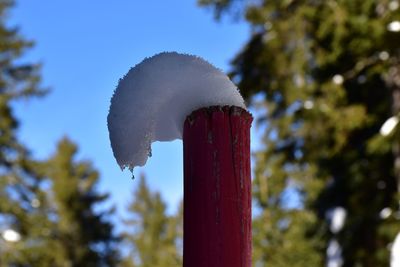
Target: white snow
{"x": 337, "y": 79}
{"x": 11, "y": 235}
{"x": 395, "y": 259}
{"x": 308, "y": 104}
{"x": 389, "y": 125}
{"x": 153, "y": 99}
{"x": 334, "y": 254}
{"x": 394, "y": 26}
{"x": 385, "y": 213}
{"x": 337, "y": 217}
{"x": 393, "y": 5}
{"x": 384, "y": 55}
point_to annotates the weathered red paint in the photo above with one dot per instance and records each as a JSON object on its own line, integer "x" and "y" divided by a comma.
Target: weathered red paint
{"x": 217, "y": 188}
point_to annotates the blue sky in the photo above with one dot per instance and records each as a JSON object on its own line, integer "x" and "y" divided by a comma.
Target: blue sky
{"x": 85, "y": 47}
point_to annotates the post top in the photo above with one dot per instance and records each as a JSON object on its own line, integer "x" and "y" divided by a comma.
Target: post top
{"x": 231, "y": 110}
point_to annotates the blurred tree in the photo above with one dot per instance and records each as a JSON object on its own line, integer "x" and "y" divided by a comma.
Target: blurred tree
{"x": 81, "y": 234}
{"x": 40, "y": 226}
{"x": 154, "y": 237}
{"x": 177, "y": 228}
{"x": 23, "y": 220}
{"x": 327, "y": 75}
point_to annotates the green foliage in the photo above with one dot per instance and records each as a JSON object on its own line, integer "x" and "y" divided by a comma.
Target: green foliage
{"x": 81, "y": 236}
{"x": 154, "y": 237}
{"x": 219, "y": 5}
{"x": 47, "y": 206}
{"x": 22, "y": 200}
{"x": 328, "y": 76}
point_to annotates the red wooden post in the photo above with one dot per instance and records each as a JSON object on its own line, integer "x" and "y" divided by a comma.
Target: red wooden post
{"x": 217, "y": 188}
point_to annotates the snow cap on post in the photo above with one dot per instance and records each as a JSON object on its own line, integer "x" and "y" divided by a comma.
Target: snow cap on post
{"x": 153, "y": 99}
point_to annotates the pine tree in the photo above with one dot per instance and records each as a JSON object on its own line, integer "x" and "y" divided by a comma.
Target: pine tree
{"x": 33, "y": 230}
{"x": 23, "y": 221}
{"x": 82, "y": 236}
{"x": 328, "y": 76}
{"x": 152, "y": 235}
